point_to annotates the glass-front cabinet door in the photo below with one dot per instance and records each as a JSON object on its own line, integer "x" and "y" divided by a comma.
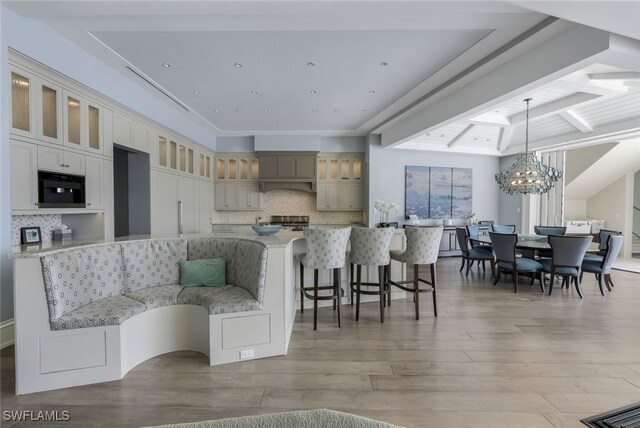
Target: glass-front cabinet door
{"x": 22, "y": 103}
{"x": 173, "y": 155}
{"x": 356, "y": 173}
{"x": 49, "y": 101}
{"x": 232, "y": 169}
{"x": 95, "y": 126}
{"x": 255, "y": 169}
{"x": 221, "y": 169}
{"x": 72, "y": 120}
{"x": 244, "y": 169}
{"x": 162, "y": 151}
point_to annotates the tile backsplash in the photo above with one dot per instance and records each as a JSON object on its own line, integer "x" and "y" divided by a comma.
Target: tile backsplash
{"x": 289, "y": 202}
{"x": 46, "y": 222}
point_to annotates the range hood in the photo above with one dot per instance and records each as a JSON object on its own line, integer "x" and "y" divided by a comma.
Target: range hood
{"x": 287, "y": 170}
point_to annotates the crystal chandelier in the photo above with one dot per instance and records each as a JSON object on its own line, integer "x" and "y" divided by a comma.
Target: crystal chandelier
{"x": 527, "y": 174}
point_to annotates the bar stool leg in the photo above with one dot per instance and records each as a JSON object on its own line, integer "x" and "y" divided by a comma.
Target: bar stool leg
{"x": 301, "y": 288}
{"x": 315, "y": 299}
{"x": 433, "y": 291}
{"x": 359, "y": 282}
{"x": 351, "y": 281}
{"x": 381, "y": 291}
{"x": 416, "y": 290}
{"x": 338, "y": 291}
{"x": 388, "y": 283}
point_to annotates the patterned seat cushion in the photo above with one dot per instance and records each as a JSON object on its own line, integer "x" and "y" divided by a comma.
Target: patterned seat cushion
{"x": 77, "y": 277}
{"x": 560, "y": 270}
{"x": 370, "y": 246}
{"x": 109, "y": 311}
{"x": 157, "y": 297}
{"x": 220, "y": 300}
{"x": 522, "y": 264}
{"x": 326, "y": 247}
{"x": 153, "y": 262}
{"x": 423, "y": 245}
{"x": 213, "y": 248}
{"x": 251, "y": 268}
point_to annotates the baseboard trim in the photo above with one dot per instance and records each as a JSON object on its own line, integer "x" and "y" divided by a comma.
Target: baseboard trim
{"x": 7, "y": 333}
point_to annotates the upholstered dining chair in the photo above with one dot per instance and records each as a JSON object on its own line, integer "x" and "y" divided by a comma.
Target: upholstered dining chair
{"x": 504, "y": 247}
{"x": 603, "y": 236}
{"x": 423, "y": 244}
{"x": 602, "y": 269}
{"x": 566, "y": 260}
{"x": 473, "y": 232}
{"x": 546, "y": 231}
{"x": 370, "y": 247}
{"x": 470, "y": 255}
{"x": 501, "y": 228}
{"x": 326, "y": 249}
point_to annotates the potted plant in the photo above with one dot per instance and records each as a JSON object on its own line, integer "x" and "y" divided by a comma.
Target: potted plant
{"x": 383, "y": 208}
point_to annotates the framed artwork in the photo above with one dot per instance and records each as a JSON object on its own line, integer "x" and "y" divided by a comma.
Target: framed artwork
{"x": 438, "y": 192}
{"x": 30, "y": 235}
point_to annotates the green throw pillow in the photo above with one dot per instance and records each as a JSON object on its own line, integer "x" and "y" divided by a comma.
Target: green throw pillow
{"x": 205, "y": 272}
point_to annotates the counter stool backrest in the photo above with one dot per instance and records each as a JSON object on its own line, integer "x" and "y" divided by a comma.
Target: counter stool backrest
{"x": 614, "y": 244}
{"x": 549, "y": 230}
{"x": 568, "y": 250}
{"x": 423, "y": 244}
{"x": 326, "y": 248}
{"x": 501, "y": 228}
{"x": 504, "y": 246}
{"x": 370, "y": 246}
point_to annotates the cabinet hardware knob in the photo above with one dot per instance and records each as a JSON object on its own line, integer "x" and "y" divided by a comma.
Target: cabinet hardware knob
{"x": 88, "y": 204}
{"x": 36, "y": 203}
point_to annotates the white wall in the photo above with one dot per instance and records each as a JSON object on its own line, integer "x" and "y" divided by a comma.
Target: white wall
{"x": 291, "y": 142}
{"x": 387, "y": 178}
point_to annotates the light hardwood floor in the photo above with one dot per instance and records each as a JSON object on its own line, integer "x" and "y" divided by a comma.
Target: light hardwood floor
{"x": 491, "y": 359}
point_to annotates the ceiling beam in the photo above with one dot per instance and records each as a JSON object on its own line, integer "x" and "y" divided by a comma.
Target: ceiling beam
{"x": 460, "y": 136}
{"x": 504, "y": 139}
{"x": 620, "y": 75}
{"x": 490, "y": 119}
{"x": 576, "y": 121}
{"x": 603, "y": 88}
{"x": 553, "y": 107}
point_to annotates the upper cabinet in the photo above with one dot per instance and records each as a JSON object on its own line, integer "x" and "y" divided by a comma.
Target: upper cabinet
{"x": 237, "y": 167}
{"x": 23, "y": 101}
{"x": 287, "y": 165}
{"x": 340, "y": 181}
{"x": 49, "y": 115}
{"x": 340, "y": 167}
{"x": 236, "y": 176}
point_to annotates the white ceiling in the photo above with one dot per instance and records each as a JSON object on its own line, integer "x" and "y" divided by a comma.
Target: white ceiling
{"x": 425, "y": 43}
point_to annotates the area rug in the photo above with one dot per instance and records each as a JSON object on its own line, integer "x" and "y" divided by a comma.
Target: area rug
{"x": 623, "y": 417}
{"x": 319, "y": 418}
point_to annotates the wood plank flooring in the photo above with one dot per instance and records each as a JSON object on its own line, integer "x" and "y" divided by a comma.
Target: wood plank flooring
{"x": 491, "y": 359}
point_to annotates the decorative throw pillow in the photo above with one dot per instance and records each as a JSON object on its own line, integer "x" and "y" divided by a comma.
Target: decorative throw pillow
{"x": 205, "y": 272}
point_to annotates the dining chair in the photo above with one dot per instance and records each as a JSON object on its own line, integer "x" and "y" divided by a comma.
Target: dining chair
{"x": 546, "y": 231}
{"x": 501, "y": 228}
{"x": 504, "y": 247}
{"x": 470, "y": 255}
{"x": 326, "y": 249}
{"x": 566, "y": 260}
{"x": 602, "y": 269}
{"x": 370, "y": 247}
{"x": 423, "y": 244}
{"x": 473, "y": 232}
{"x": 603, "y": 236}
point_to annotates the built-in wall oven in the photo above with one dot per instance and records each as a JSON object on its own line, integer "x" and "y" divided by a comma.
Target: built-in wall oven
{"x": 57, "y": 190}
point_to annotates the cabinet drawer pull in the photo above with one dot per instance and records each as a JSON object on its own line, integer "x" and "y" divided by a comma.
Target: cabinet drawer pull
{"x": 36, "y": 203}
{"x": 88, "y": 204}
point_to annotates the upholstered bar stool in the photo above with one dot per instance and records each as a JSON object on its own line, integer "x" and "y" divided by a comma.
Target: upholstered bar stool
{"x": 423, "y": 244}
{"x": 370, "y": 247}
{"x": 326, "y": 249}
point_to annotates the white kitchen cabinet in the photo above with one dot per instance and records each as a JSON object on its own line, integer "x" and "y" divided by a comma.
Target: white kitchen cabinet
{"x": 24, "y": 176}
{"x": 165, "y": 209}
{"x": 350, "y": 195}
{"x": 95, "y": 128}
{"x": 23, "y": 103}
{"x": 249, "y": 196}
{"x": 58, "y": 160}
{"x": 204, "y": 205}
{"x": 226, "y": 196}
{"x": 49, "y": 111}
{"x": 73, "y": 118}
{"x": 94, "y": 183}
{"x": 122, "y": 130}
{"x": 188, "y": 202}
{"x": 328, "y": 197}
{"x": 139, "y": 137}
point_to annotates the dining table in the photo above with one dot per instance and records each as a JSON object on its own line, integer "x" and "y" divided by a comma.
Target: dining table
{"x": 525, "y": 242}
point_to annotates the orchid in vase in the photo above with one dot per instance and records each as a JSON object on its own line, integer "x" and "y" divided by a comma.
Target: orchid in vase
{"x": 383, "y": 208}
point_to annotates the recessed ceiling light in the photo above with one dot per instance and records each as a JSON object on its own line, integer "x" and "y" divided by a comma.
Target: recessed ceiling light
{"x": 217, "y": 110}
{"x": 238, "y": 65}
{"x": 488, "y": 139}
{"x": 266, "y": 110}
{"x": 475, "y": 139}
{"x": 254, "y": 92}
{"x": 315, "y": 123}
{"x": 372, "y": 92}
{"x": 315, "y": 110}
{"x": 384, "y": 63}
{"x": 166, "y": 65}
{"x": 442, "y": 135}
{"x": 497, "y": 111}
{"x": 313, "y": 91}
{"x": 196, "y": 92}
{"x": 364, "y": 110}
{"x": 230, "y": 123}
{"x": 273, "y": 124}
{"x": 311, "y": 64}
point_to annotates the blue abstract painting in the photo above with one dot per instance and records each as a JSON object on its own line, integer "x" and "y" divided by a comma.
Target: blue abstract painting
{"x": 438, "y": 192}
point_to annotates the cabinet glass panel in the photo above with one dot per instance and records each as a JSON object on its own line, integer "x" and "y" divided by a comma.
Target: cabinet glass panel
{"x": 255, "y": 169}
{"x": 208, "y": 167}
{"x": 20, "y": 102}
{"x": 202, "y": 165}
{"x": 162, "y": 151}
{"x": 345, "y": 166}
{"x": 173, "y": 155}
{"x": 73, "y": 120}
{"x": 190, "y": 161}
{"x": 357, "y": 169}
{"x": 244, "y": 169}
{"x": 94, "y": 128}
{"x": 220, "y": 169}
{"x": 233, "y": 169}
{"x": 333, "y": 169}
{"x": 49, "y": 112}
{"x": 322, "y": 169}
{"x": 183, "y": 158}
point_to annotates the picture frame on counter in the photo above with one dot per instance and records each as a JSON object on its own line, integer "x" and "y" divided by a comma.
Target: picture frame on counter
{"x": 30, "y": 235}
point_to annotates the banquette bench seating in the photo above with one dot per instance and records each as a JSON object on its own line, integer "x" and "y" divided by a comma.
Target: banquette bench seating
{"x": 90, "y": 314}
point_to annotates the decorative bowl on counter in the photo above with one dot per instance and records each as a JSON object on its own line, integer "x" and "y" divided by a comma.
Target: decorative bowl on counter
{"x": 264, "y": 229}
